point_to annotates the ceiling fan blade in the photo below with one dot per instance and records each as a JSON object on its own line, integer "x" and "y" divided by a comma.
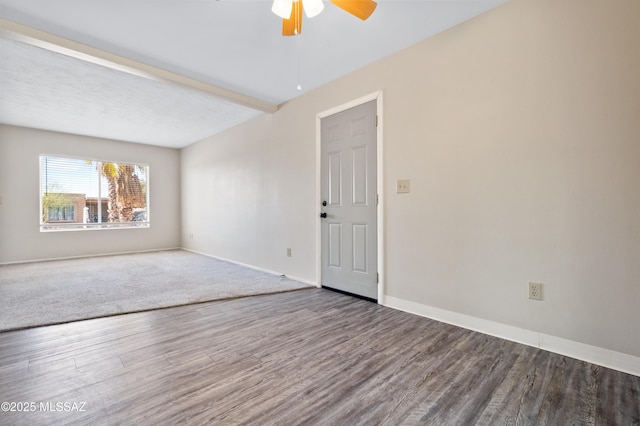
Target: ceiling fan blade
{"x": 293, "y": 25}
{"x": 360, "y": 8}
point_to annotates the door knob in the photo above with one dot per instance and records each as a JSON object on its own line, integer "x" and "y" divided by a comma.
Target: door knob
{"x": 323, "y": 215}
{"x": 324, "y": 203}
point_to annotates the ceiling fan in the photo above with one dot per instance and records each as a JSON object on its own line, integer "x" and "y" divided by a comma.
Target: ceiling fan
{"x": 291, "y": 11}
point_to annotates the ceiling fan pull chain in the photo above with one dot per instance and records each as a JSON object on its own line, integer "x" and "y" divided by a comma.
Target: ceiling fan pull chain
{"x": 299, "y": 87}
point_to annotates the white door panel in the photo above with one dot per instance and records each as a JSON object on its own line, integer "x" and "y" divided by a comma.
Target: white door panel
{"x": 348, "y": 190}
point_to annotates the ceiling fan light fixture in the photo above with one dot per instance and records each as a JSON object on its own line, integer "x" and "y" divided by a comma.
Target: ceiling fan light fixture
{"x": 282, "y": 8}
{"x": 313, "y": 7}
{"x": 291, "y": 11}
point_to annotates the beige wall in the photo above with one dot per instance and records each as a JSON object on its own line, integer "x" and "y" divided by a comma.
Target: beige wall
{"x": 20, "y": 236}
{"x": 249, "y": 194}
{"x": 520, "y": 133}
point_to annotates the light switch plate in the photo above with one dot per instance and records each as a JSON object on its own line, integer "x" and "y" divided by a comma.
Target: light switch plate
{"x": 402, "y": 186}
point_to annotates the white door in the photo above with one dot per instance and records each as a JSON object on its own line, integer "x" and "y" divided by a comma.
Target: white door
{"x": 348, "y": 193}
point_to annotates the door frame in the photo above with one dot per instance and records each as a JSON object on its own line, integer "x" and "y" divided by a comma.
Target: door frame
{"x": 376, "y": 96}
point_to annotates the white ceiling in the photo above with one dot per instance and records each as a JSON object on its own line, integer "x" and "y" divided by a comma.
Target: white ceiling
{"x": 232, "y": 44}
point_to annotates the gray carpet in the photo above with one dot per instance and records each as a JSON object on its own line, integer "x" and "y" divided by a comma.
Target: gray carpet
{"x": 59, "y": 291}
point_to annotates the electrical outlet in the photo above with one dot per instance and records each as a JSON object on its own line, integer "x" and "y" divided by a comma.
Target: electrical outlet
{"x": 288, "y": 252}
{"x": 535, "y": 291}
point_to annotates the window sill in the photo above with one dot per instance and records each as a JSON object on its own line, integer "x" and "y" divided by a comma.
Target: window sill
{"x": 63, "y": 227}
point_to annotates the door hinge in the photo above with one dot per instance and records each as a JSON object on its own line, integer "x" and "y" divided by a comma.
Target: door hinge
{"x": 376, "y": 120}
{"x": 377, "y": 277}
{"x": 377, "y": 199}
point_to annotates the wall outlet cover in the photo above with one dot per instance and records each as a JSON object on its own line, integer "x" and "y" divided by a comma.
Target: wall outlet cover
{"x": 535, "y": 291}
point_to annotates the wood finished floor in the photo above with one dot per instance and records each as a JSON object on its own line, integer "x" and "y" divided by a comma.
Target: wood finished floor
{"x": 305, "y": 357}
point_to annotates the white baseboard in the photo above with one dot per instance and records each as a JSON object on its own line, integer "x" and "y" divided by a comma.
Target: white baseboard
{"x": 84, "y": 256}
{"x": 257, "y": 268}
{"x": 604, "y": 357}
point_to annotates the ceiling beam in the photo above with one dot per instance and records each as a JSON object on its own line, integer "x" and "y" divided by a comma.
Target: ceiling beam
{"x": 22, "y": 33}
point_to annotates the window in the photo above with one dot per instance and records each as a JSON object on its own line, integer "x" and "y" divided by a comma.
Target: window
{"x": 60, "y": 214}
{"x": 88, "y": 194}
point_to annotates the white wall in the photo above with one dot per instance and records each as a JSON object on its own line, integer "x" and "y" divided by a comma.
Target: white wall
{"x": 519, "y": 132}
{"x": 249, "y": 194}
{"x": 20, "y": 236}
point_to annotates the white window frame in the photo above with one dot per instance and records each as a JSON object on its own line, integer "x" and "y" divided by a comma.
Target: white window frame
{"x": 99, "y": 225}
